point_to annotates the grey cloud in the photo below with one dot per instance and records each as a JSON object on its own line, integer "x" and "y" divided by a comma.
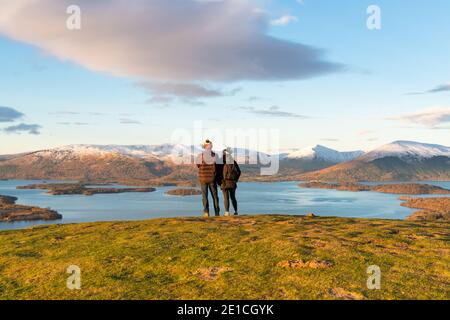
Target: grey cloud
{"x": 74, "y": 123}
{"x": 64, "y": 113}
{"x": 273, "y": 111}
{"x": 24, "y": 128}
{"x": 185, "y": 92}
{"x": 440, "y": 88}
{"x": 9, "y": 114}
{"x": 129, "y": 121}
{"x": 160, "y": 40}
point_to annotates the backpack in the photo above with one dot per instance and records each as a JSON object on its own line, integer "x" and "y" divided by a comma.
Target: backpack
{"x": 232, "y": 174}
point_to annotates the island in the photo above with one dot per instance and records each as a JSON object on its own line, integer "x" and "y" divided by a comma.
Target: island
{"x": 183, "y": 192}
{"x": 335, "y": 186}
{"x": 398, "y": 188}
{"x": 58, "y": 189}
{"x": 10, "y": 211}
{"x": 433, "y": 209}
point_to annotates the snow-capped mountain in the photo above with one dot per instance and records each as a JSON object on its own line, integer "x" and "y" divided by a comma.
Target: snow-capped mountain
{"x": 396, "y": 161}
{"x": 408, "y": 150}
{"x": 319, "y": 152}
{"x": 161, "y": 152}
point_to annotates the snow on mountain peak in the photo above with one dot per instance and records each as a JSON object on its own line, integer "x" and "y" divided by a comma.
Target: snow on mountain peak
{"x": 161, "y": 151}
{"x": 408, "y": 150}
{"x": 402, "y": 149}
{"x": 320, "y": 152}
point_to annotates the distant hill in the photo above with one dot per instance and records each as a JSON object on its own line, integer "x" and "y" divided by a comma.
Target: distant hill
{"x": 397, "y": 161}
{"x": 157, "y": 164}
{"x": 147, "y": 162}
{"x": 87, "y": 163}
{"x": 314, "y": 158}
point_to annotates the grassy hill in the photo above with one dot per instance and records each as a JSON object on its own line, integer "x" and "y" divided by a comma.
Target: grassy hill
{"x": 251, "y": 257}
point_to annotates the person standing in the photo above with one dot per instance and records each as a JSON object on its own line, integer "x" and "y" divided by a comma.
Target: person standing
{"x": 207, "y": 175}
{"x": 230, "y": 177}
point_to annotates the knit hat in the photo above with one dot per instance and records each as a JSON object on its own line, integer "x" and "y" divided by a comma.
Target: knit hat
{"x": 208, "y": 144}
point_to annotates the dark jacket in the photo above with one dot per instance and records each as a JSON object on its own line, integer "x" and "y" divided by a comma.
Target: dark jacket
{"x": 227, "y": 182}
{"x": 207, "y": 165}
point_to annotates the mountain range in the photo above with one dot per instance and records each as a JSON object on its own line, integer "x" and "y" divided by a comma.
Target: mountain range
{"x": 397, "y": 161}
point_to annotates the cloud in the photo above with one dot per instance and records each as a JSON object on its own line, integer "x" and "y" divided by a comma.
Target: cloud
{"x": 129, "y": 121}
{"x": 187, "y": 92}
{"x": 167, "y": 41}
{"x": 284, "y": 20}
{"x": 273, "y": 111}
{"x": 24, "y": 128}
{"x": 73, "y": 123}
{"x": 441, "y": 88}
{"x": 64, "y": 113}
{"x": 183, "y": 90}
{"x": 330, "y": 140}
{"x": 430, "y": 117}
{"x": 364, "y": 132}
{"x": 9, "y": 114}
{"x": 437, "y": 89}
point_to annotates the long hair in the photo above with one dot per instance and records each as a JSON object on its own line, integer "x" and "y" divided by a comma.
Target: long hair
{"x": 227, "y": 157}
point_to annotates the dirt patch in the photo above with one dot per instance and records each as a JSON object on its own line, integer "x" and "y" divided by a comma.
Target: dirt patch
{"x": 300, "y": 264}
{"x": 211, "y": 273}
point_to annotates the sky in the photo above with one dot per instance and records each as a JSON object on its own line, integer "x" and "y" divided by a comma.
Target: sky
{"x": 136, "y": 72}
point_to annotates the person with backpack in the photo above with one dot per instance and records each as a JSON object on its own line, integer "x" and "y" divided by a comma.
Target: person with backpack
{"x": 207, "y": 175}
{"x": 230, "y": 177}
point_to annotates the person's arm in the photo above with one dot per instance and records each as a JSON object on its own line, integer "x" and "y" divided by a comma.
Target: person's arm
{"x": 198, "y": 160}
{"x": 238, "y": 169}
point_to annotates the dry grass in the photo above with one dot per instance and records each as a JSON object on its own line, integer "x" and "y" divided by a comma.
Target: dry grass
{"x": 235, "y": 258}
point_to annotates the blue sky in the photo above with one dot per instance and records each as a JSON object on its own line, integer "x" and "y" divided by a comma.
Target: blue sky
{"x": 363, "y": 103}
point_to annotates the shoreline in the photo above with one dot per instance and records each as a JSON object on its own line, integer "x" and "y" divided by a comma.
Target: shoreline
{"x": 424, "y": 214}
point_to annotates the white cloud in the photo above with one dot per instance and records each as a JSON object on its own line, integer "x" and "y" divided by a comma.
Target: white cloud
{"x": 162, "y": 40}
{"x": 284, "y": 20}
{"x": 430, "y": 117}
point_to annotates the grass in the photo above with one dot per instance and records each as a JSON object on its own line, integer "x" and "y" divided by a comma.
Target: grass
{"x": 250, "y": 257}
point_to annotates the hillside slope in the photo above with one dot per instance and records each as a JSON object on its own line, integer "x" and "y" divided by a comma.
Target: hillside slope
{"x": 90, "y": 166}
{"x": 397, "y": 161}
{"x": 254, "y": 257}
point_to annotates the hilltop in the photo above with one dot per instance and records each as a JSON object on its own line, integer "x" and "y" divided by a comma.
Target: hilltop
{"x": 249, "y": 257}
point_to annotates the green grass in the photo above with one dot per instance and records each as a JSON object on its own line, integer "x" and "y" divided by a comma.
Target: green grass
{"x": 236, "y": 258}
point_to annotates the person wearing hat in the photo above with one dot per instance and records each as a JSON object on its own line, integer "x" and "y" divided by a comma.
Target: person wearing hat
{"x": 207, "y": 176}
{"x": 229, "y": 179}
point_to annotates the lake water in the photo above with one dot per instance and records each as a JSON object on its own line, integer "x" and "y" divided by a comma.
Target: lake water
{"x": 253, "y": 198}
